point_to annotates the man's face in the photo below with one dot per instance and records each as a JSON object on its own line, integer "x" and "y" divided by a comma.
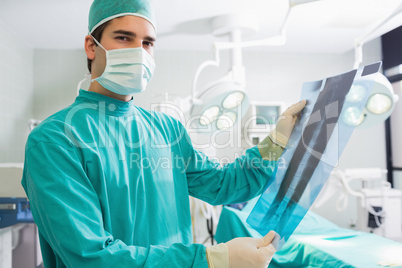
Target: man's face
{"x": 123, "y": 32}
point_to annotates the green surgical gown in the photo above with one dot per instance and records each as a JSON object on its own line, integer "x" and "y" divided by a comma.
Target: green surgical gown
{"x": 109, "y": 186}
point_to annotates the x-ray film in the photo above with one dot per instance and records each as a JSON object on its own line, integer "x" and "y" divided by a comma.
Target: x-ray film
{"x": 334, "y": 107}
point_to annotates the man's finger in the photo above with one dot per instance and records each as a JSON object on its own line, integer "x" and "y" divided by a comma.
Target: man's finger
{"x": 296, "y": 108}
{"x": 266, "y": 240}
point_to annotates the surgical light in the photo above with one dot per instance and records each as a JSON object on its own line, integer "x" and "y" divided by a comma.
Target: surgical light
{"x": 209, "y": 115}
{"x": 228, "y": 93}
{"x": 226, "y": 120}
{"x": 353, "y": 117}
{"x": 222, "y": 103}
{"x": 382, "y": 99}
{"x": 356, "y": 93}
{"x": 379, "y": 103}
{"x": 233, "y": 100}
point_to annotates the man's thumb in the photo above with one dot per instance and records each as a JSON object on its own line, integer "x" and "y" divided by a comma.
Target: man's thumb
{"x": 266, "y": 240}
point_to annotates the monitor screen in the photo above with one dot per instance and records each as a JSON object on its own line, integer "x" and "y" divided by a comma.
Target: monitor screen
{"x": 267, "y": 115}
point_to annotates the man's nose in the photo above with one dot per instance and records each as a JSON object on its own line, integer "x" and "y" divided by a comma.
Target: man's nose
{"x": 138, "y": 43}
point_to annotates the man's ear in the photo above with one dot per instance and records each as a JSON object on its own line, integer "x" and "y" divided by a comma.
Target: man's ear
{"x": 90, "y": 47}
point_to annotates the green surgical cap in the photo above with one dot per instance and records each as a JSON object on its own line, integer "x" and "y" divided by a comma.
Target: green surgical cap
{"x": 104, "y": 10}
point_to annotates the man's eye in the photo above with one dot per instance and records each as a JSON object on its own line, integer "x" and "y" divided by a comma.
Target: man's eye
{"x": 123, "y": 38}
{"x": 148, "y": 44}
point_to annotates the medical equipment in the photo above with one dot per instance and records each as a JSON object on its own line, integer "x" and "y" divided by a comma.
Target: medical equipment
{"x": 259, "y": 121}
{"x": 201, "y": 211}
{"x": 13, "y": 211}
{"x": 380, "y": 103}
{"x": 222, "y": 103}
{"x": 16, "y": 220}
{"x": 379, "y": 206}
{"x": 14, "y": 205}
{"x": 382, "y": 99}
{"x": 313, "y": 150}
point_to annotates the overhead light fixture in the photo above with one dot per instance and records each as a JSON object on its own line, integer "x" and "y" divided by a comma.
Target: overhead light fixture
{"x": 233, "y": 100}
{"x": 380, "y": 103}
{"x": 209, "y": 115}
{"x": 221, "y": 104}
{"x": 356, "y": 93}
{"x": 226, "y": 120}
{"x": 382, "y": 99}
{"x": 353, "y": 116}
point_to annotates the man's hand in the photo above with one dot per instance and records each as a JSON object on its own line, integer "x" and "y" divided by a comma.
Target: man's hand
{"x": 251, "y": 252}
{"x": 243, "y": 252}
{"x": 286, "y": 122}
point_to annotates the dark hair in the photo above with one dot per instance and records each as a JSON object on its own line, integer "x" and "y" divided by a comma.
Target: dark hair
{"x": 97, "y": 34}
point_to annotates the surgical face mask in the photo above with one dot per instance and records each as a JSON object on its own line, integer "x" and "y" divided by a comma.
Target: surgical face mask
{"x": 127, "y": 70}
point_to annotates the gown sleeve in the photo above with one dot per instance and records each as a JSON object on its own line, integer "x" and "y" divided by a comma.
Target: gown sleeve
{"x": 245, "y": 178}
{"x": 68, "y": 214}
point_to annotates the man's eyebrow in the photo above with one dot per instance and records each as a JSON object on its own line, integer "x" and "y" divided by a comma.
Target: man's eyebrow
{"x": 150, "y": 38}
{"x": 128, "y": 33}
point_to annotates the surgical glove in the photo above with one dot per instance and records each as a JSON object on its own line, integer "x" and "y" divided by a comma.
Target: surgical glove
{"x": 269, "y": 150}
{"x": 284, "y": 127}
{"x": 242, "y": 252}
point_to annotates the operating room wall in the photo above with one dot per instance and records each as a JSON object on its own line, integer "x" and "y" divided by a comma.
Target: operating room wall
{"x": 270, "y": 77}
{"x": 16, "y": 92}
{"x": 57, "y": 73}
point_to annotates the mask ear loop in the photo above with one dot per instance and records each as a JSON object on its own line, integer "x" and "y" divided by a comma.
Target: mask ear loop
{"x": 88, "y": 75}
{"x": 96, "y": 41}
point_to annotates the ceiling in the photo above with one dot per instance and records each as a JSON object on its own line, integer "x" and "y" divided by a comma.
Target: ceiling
{"x": 325, "y": 26}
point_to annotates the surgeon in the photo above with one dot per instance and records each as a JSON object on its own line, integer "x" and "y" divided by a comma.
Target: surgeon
{"x": 109, "y": 182}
